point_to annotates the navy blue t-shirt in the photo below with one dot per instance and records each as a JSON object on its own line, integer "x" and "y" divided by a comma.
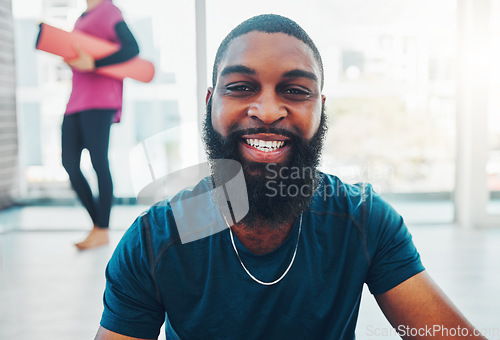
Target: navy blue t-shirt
{"x": 349, "y": 237}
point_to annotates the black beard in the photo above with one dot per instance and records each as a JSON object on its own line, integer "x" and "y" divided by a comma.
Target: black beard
{"x": 277, "y": 193}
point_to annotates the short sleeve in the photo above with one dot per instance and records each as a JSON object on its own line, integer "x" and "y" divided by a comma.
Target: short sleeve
{"x": 394, "y": 256}
{"x": 132, "y": 304}
{"x": 113, "y": 15}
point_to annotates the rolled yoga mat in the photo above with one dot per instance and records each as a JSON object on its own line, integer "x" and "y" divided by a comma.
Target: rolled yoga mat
{"x": 60, "y": 42}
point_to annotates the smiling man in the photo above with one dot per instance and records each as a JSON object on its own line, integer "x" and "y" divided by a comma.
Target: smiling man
{"x": 294, "y": 267}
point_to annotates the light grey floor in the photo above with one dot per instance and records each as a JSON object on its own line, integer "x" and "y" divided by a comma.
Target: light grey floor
{"x": 49, "y": 290}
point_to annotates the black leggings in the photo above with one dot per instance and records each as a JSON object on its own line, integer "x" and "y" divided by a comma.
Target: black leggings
{"x": 89, "y": 130}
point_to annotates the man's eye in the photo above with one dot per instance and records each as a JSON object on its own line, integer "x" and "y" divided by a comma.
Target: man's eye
{"x": 238, "y": 88}
{"x": 295, "y": 92}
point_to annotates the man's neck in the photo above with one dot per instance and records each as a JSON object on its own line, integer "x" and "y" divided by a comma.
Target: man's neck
{"x": 262, "y": 240}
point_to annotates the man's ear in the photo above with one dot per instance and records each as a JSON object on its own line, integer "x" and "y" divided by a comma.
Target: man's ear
{"x": 210, "y": 90}
{"x": 323, "y": 99}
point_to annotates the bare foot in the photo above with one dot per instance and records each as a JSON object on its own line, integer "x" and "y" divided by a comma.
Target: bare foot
{"x": 97, "y": 237}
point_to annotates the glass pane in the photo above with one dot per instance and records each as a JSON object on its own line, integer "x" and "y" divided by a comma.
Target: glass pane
{"x": 390, "y": 88}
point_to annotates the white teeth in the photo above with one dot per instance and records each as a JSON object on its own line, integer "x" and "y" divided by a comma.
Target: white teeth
{"x": 265, "y": 146}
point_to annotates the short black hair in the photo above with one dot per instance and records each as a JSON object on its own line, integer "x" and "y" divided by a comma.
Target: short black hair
{"x": 267, "y": 23}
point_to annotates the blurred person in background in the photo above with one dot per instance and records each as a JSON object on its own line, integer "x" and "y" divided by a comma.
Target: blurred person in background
{"x": 94, "y": 105}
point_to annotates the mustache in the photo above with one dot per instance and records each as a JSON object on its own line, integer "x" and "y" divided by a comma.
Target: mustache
{"x": 268, "y": 130}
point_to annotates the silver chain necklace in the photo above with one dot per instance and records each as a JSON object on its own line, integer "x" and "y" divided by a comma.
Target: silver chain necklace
{"x": 250, "y": 274}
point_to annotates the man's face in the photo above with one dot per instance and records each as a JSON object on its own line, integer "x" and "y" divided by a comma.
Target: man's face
{"x": 267, "y": 81}
{"x": 266, "y": 112}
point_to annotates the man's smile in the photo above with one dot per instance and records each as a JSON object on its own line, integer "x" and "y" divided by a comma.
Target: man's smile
{"x": 265, "y": 147}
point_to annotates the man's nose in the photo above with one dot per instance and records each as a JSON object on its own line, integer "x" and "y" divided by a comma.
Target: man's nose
{"x": 267, "y": 108}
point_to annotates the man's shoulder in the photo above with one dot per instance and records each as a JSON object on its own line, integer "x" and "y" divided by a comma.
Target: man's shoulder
{"x": 334, "y": 194}
{"x": 151, "y": 231}
{"x": 358, "y": 205}
{"x": 159, "y": 223}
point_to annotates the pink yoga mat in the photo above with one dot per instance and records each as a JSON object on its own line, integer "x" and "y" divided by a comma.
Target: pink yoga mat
{"x": 59, "y": 42}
